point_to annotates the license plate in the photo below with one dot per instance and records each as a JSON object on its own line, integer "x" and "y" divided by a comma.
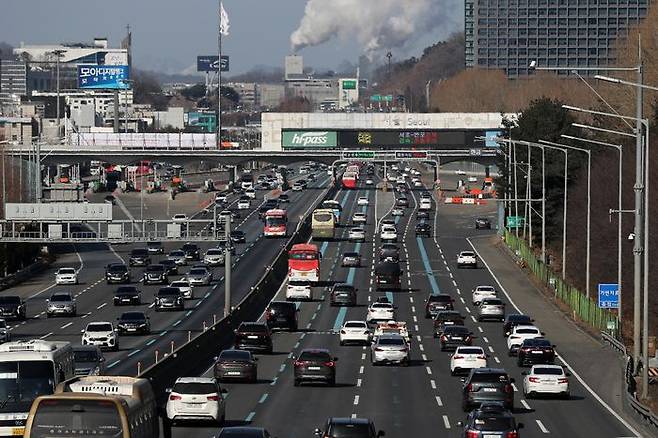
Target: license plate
{"x": 491, "y": 436}
{"x": 233, "y": 373}
{"x": 457, "y": 338}
{"x": 489, "y": 389}
{"x": 537, "y": 352}
{"x": 132, "y": 329}
{"x": 18, "y": 431}
{"x": 448, "y": 323}
{"x": 252, "y": 337}
{"x": 470, "y": 359}
{"x": 314, "y": 368}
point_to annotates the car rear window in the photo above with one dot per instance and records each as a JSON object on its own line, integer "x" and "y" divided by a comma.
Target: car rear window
{"x": 315, "y": 356}
{"x": 261, "y": 328}
{"x": 440, "y": 298}
{"x": 349, "y": 431}
{"x": 117, "y": 268}
{"x": 469, "y": 350}
{"x": 155, "y": 268}
{"x": 456, "y": 331}
{"x": 527, "y": 331}
{"x": 489, "y": 377}
{"x": 60, "y": 297}
{"x": 126, "y": 290}
{"x": 235, "y": 355}
{"x": 198, "y": 271}
{"x": 67, "y": 271}
{"x": 99, "y": 327}
{"x": 492, "y": 302}
{"x": 139, "y": 252}
{"x": 355, "y": 325}
{"x": 169, "y": 291}
{"x": 10, "y": 300}
{"x": 493, "y": 423}
{"x": 390, "y": 341}
{"x": 133, "y": 316}
{"x": 194, "y": 388}
{"x": 548, "y": 371}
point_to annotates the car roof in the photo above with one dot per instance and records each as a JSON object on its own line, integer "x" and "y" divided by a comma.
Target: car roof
{"x": 489, "y": 371}
{"x": 525, "y": 327}
{"x": 196, "y": 380}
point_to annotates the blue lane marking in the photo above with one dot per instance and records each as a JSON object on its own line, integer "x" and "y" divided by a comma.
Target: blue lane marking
{"x": 428, "y": 267}
{"x": 151, "y": 342}
{"x": 324, "y": 247}
{"x": 340, "y": 318}
{"x": 113, "y": 364}
{"x": 263, "y": 398}
{"x": 177, "y": 322}
{"x": 389, "y": 295}
{"x": 250, "y": 416}
{"x": 163, "y": 333}
{"x": 297, "y": 305}
{"x": 132, "y": 353}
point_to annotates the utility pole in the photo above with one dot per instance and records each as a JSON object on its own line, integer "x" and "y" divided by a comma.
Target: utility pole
{"x": 428, "y": 84}
{"x": 389, "y": 55}
{"x": 227, "y": 265}
{"x": 58, "y": 53}
{"x": 639, "y": 219}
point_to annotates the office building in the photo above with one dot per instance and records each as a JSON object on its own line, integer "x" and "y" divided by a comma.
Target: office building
{"x": 13, "y": 84}
{"x": 509, "y": 34}
{"x": 248, "y": 92}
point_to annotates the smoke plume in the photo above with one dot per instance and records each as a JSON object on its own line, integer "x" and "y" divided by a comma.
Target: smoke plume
{"x": 375, "y": 24}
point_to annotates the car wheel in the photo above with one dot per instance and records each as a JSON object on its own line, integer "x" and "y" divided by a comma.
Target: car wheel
{"x": 566, "y": 396}
{"x": 48, "y": 315}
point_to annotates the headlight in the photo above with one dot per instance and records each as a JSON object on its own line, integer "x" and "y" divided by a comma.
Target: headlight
{"x": 96, "y": 371}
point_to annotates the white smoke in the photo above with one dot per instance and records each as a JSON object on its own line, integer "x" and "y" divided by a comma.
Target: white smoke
{"x": 375, "y": 24}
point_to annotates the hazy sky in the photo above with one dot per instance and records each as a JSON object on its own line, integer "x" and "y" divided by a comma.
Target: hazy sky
{"x": 169, "y": 34}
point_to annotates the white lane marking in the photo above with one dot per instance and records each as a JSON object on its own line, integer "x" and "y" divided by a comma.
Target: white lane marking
{"x": 358, "y": 382}
{"x": 363, "y": 355}
{"x": 424, "y": 357}
{"x": 484, "y": 337}
{"x": 473, "y": 318}
{"x": 468, "y": 309}
{"x": 361, "y": 369}
{"x": 438, "y": 400}
{"x": 66, "y": 325}
{"x": 419, "y": 338}
{"x": 491, "y": 349}
{"x": 446, "y": 422}
{"x": 46, "y": 335}
{"x": 480, "y": 329}
{"x": 429, "y": 370}
{"x": 496, "y": 359}
{"x": 541, "y": 426}
{"x": 433, "y": 384}
{"x": 515, "y": 388}
{"x": 411, "y": 299}
{"x": 413, "y": 308}
{"x": 101, "y": 306}
{"x": 525, "y": 404}
{"x": 415, "y": 317}
{"x": 454, "y": 282}
{"x": 356, "y": 400}
{"x": 421, "y": 347}
{"x": 461, "y": 298}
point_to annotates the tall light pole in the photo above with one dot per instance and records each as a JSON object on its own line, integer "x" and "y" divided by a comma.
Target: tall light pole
{"x": 58, "y": 53}
{"x": 126, "y": 83}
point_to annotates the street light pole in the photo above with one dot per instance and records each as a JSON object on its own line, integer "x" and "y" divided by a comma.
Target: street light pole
{"x": 58, "y": 53}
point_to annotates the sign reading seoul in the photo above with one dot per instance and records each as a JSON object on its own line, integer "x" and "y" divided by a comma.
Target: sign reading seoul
{"x": 110, "y": 77}
{"x": 309, "y": 139}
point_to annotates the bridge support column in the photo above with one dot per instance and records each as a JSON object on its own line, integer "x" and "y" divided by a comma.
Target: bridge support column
{"x": 487, "y": 170}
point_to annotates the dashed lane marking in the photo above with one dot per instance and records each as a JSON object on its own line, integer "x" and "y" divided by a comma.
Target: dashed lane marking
{"x": 263, "y": 398}
{"x": 491, "y": 349}
{"x": 541, "y": 426}
{"x": 66, "y": 325}
{"x": 101, "y": 306}
{"x": 446, "y": 422}
{"x": 525, "y": 404}
{"x": 438, "y": 400}
{"x": 356, "y": 400}
{"x": 429, "y": 370}
{"x": 433, "y": 384}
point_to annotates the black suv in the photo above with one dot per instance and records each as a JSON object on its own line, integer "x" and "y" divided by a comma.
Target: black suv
{"x": 389, "y": 251}
{"x": 133, "y": 323}
{"x": 155, "y": 247}
{"x": 435, "y": 303}
{"x": 446, "y": 318}
{"x": 169, "y": 298}
{"x": 12, "y": 306}
{"x": 155, "y": 274}
{"x": 127, "y": 295}
{"x": 535, "y": 351}
{"x": 349, "y": 427}
{"x": 455, "y": 336}
{"x": 191, "y": 251}
{"x": 253, "y": 336}
{"x": 514, "y": 319}
{"x": 342, "y": 294}
{"x": 482, "y": 223}
{"x": 491, "y": 419}
{"x": 281, "y": 315}
{"x": 139, "y": 257}
{"x": 315, "y": 365}
{"x": 117, "y": 273}
{"x": 423, "y": 229}
{"x": 487, "y": 385}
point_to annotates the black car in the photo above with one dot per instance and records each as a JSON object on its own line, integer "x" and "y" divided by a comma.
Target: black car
{"x": 12, "y": 307}
{"x": 117, "y": 273}
{"x": 423, "y": 229}
{"x": 133, "y": 323}
{"x": 315, "y": 365}
{"x": 253, "y": 336}
{"x": 283, "y": 198}
{"x": 243, "y": 432}
{"x": 487, "y": 385}
{"x": 349, "y": 427}
{"x": 191, "y": 251}
{"x": 446, "y": 318}
{"x": 389, "y": 251}
{"x": 490, "y": 419}
{"x": 127, "y": 295}
{"x": 139, "y": 257}
{"x": 155, "y": 274}
{"x": 437, "y": 302}
{"x": 281, "y": 315}
{"x": 422, "y": 215}
{"x": 535, "y": 351}
{"x": 169, "y": 298}
{"x": 155, "y": 247}
{"x": 236, "y": 365}
{"x": 455, "y": 336}
{"x": 342, "y": 295}
{"x": 238, "y": 236}
{"x": 88, "y": 360}
{"x": 388, "y": 275}
{"x": 514, "y": 319}
{"x": 351, "y": 259}
{"x": 170, "y": 266}
{"x": 482, "y": 223}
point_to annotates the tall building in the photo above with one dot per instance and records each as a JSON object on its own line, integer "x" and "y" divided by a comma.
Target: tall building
{"x": 13, "y": 83}
{"x": 509, "y": 34}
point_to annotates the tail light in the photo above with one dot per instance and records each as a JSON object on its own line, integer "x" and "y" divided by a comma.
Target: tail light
{"x": 444, "y": 338}
{"x": 512, "y": 435}
{"x": 472, "y": 434}
{"x": 469, "y": 387}
{"x": 330, "y": 364}
{"x": 533, "y": 379}
{"x": 213, "y": 398}
{"x": 174, "y": 397}
{"x": 482, "y": 356}
{"x": 508, "y": 388}
{"x": 457, "y": 357}
{"x": 563, "y": 380}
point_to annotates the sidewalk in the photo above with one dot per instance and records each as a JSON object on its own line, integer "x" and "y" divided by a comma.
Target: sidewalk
{"x": 599, "y": 366}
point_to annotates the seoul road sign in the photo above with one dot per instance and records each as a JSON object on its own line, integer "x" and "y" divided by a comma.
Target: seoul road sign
{"x": 609, "y": 296}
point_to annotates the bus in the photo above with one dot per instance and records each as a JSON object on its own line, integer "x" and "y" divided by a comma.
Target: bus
{"x": 112, "y": 406}
{"x": 335, "y": 207}
{"x": 29, "y": 369}
{"x": 275, "y": 223}
{"x": 348, "y": 180}
{"x": 323, "y": 224}
{"x": 304, "y": 263}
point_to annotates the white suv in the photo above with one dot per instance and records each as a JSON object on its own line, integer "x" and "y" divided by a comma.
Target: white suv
{"x": 196, "y": 398}
{"x": 519, "y": 334}
{"x": 102, "y": 334}
{"x": 482, "y": 292}
{"x": 299, "y": 290}
{"x": 66, "y": 276}
{"x": 380, "y": 312}
{"x": 467, "y": 258}
{"x": 466, "y": 358}
{"x": 546, "y": 380}
{"x": 389, "y": 233}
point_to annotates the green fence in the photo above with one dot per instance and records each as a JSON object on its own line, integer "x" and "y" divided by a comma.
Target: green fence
{"x": 586, "y": 309}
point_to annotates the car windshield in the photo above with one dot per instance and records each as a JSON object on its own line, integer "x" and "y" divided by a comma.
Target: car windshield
{"x": 467, "y": 254}
{"x": 139, "y": 253}
{"x": 154, "y": 244}
{"x": 350, "y": 431}
{"x": 169, "y": 291}
{"x": 537, "y": 342}
{"x": 117, "y": 268}
{"x": 355, "y": 325}
{"x": 351, "y": 254}
{"x": 235, "y": 355}
{"x": 214, "y": 251}
{"x": 259, "y": 328}
{"x": 126, "y": 290}
{"x": 180, "y": 283}
{"x": 10, "y": 300}
{"x": 458, "y": 331}
{"x": 390, "y": 341}
{"x": 493, "y": 423}
{"x": 67, "y": 271}
{"x": 188, "y": 247}
{"x": 315, "y": 356}
{"x": 198, "y": 271}
{"x": 298, "y": 283}
{"x": 133, "y": 316}
{"x": 440, "y": 298}
{"x": 194, "y": 388}
{"x": 60, "y": 298}
{"x": 548, "y": 371}
{"x": 177, "y": 253}
{"x": 85, "y": 355}
{"x": 101, "y": 327}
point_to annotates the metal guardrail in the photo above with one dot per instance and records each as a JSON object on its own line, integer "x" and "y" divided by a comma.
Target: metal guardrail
{"x": 617, "y": 345}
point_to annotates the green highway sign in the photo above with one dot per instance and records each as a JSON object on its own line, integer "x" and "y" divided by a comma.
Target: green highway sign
{"x": 388, "y": 98}
{"x": 368, "y": 155}
{"x": 376, "y": 98}
{"x": 515, "y": 221}
{"x": 349, "y": 84}
{"x": 309, "y": 139}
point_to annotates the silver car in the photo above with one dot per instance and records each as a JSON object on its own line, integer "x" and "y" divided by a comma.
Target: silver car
{"x": 491, "y": 308}
{"x": 214, "y": 257}
{"x": 178, "y": 257}
{"x": 390, "y": 348}
{"x": 199, "y": 277}
{"x": 61, "y": 303}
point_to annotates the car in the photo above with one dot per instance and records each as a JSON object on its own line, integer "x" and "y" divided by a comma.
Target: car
{"x": 88, "y": 360}
{"x": 481, "y": 292}
{"x": 127, "y": 295}
{"x": 351, "y": 259}
{"x": 355, "y": 332}
{"x": 284, "y": 198}
{"x": 422, "y": 215}
{"x": 244, "y": 203}
{"x": 514, "y": 319}
{"x": 520, "y": 333}
{"x": 169, "y": 298}
{"x": 221, "y": 198}
{"x": 281, "y": 315}
{"x": 342, "y": 294}
{"x": 389, "y": 233}
{"x": 490, "y": 420}
{"x": 214, "y": 257}
{"x": 546, "y": 380}
{"x": 236, "y": 365}
{"x": 352, "y": 427}
{"x": 491, "y": 308}
{"x": 222, "y": 244}
{"x": 437, "y": 302}
{"x": 535, "y": 351}
{"x": 185, "y": 288}
{"x": 390, "y": 252}
{"x": 191, "y": 251}
{"x": 13, "y": 306}
{"x": 61, "y": 303}
{"x": 297, "y": 187}
{"x": 66, "y": 276}
{"x": 487, "y": 385}
{"x": 418, "y": 184}
{"x": 359, "y": 218}
{"x": 402, "y": 201}
{"x": 253, "y": 336}
{"x": 171, "y": 268}
{"x": 467, "y": 259}
{"x": 369, "y": 182}
{"x": 196, "y": 399}
{"x": 363, "y": 200}
{"x": 199, "y": 276}
{"x": 460, "y": 172}
{"x": 392, "y": 327}
{"x": 314, "y": 365}
{"x": 299, "y": 290}
{"x": 179, "y": 218}
{"x": 154, "y": 247}
{"x": 226, "y": 215}
{"x": 380, "y": 312}
{"x": 238, "y": 236}
{"x": 109, "y": 199}
{"x": 102, "y": 334}
{"x": 178, "y": 257}
{"x": 466, "y": 358}
{"x": 423, "y": 229}
{"x": 133, "y": 323}
{"x": 357, "y": 234}
{"x": 155, "y": 274}
{"x": 388, "y": 222}
{"x": 446, "y": 318}
{"x": 482, "y": 223}
{"x": 117, "y": 273}
{"x": 139, "y": 257}
{"x": 425, "y": 205}
{"x": 390, "y": 348}
{"x": 397, "y": 212}
{"x": 251, "y": 193}
{"x": 5, "y": 335}
{"x": 454, "y": 336}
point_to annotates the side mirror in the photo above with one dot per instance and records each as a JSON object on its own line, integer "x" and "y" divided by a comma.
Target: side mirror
{"x": 543, "y": 334}
{"x": 335, "y": 358}
{"x": 224, "y": 391}
{"x": 235, "y": 331}
{"x": 102, "y": 359}
{"x": 512, "y": 380}
{"x": 255, "y": 359}
{"x": 554, "y": 346}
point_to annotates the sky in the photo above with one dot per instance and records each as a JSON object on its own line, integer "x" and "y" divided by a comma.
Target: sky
{"x": 169, "y": 34}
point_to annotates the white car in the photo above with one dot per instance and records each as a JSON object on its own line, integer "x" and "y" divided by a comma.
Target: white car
{"x": 466, "y": 358}
{"x": 395, "y": 167}
{"x": 418, "y": 184}
{"x": 389, "y": 233}
{"x": 472, "y": 179}
{"x": 460, "y": 172}
{"x": 66, "y": 276}
{"x": 299, "y": 290}
{"x": 369, "y": 182}
{"x": 397, "y": 212}
{"x": 355, "y": 332}
{"x": 185, "y": 287}
{"x": 425, "y": 204}
{"x": 519, "y": 334}
{"x": 220, "y": 197}
{"x": 380, "y": 312}
{"x": 250, "y": 193}
{"x": 481, "y": 292}
{"x": 196, "y": 398}
{"x": 102, "y": 334}
{"x": 297, "y": 187}
{"x": 359, "y": 218}
{"x": 392, "y": 327}
{"x": 467, "y": 259}
{"x": 244, "y": 204}
{"x": 388, "y": 349}
{"x": 546, "y": 380}
{"x": 214, "y": 257}
{"x": 180, "y": 217}
{"x": 357, "y": 235}
{"x": 224, "y": 214}
{"x": 363, "y": 200}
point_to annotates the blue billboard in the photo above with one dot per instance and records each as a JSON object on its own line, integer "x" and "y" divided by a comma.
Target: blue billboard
{"x": 609, "y": 296}
{"x": 490, "y": 139}
{"x": 209, "y": 63}
{"x": 106, "y": 77}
